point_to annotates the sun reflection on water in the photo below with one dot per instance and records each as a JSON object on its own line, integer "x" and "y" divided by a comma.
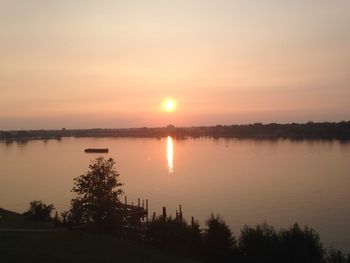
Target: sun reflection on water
{"x": 170, "y": 154}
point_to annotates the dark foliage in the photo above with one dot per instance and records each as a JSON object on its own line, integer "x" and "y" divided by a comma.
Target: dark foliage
{"x": 39, "y": 211}
{"x": 75, "y": 214}
{"x": 335, "y": 256}
{"x": 97, "y": 203}
{"x": 175, "y": 234}
{"x": 219, "y": 243}
{"x": 300, "y": 245}
{"x": 258, "y": 244}
{"x": 310, "y": 130}
{"x": 261, "y": 243}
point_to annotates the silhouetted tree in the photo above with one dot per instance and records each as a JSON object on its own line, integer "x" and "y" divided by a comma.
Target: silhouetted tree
{"x": 98, "y": 193}
{"x": 295, "y": 245}
{"x": 65, "y": 217}
{"x": 336, "y": 256}
{"x": 39, "y": 211}
{"x": 301, "y": 245}
{"x": 75, "y": 216}
{"x": 218, "y": 240}
{"x": 258, "y": 244}
{"x": 175, "y": 234}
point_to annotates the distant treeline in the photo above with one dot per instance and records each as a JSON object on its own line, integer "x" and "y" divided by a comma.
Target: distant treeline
{"x": 310, "y": 130}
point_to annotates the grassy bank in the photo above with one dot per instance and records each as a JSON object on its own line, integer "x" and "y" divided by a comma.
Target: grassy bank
{"x": 68, "y": 246}
{"x": 13, "y": 220}
{"x": 72, "y": 247}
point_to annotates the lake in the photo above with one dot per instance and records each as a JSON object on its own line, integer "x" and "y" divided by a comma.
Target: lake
{"x": 246, "y": 181}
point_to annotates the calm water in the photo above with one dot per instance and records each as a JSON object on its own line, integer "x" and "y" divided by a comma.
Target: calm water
{"x": 246, "y": 181}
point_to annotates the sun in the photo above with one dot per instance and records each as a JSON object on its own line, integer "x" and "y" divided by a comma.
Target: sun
{"x": 169, "y": 105}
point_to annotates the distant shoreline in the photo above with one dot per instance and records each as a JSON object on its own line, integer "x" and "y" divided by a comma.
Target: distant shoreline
{"x": 310, "y": 130}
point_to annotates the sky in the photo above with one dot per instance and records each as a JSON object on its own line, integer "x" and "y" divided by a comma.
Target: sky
{"x": 86, "y": 64}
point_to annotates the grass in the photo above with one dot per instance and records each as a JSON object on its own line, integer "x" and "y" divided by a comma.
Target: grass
{"x": 70, "y": 246}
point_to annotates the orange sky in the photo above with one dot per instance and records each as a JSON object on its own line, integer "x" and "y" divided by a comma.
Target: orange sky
{"x": 84, "y": 64}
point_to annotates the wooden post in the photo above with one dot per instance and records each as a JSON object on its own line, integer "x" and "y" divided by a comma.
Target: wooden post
{"x": 164, "y": 214}
{"x": 56, "y": 219}
{"x": 147, "y": 210}
{"x": 180, "y": 212}
{"x": 154, "y": 216}
{"x": 138, "y": 202}
{"x": 143, "y": 208}
{"x": 192, "y": 222}
{"x": 126, "y": 202}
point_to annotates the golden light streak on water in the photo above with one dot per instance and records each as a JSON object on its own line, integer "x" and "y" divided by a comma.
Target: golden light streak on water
{"x": 170, "y": 154}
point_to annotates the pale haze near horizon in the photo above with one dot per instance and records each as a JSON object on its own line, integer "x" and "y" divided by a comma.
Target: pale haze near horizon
{"x": 84, "y": 64}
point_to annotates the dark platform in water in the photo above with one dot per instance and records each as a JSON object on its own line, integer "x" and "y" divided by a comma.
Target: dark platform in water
{"x": 96, "y": 150}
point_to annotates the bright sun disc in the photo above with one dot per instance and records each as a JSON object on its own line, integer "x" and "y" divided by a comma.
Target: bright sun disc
{"x": 169, "y": 105}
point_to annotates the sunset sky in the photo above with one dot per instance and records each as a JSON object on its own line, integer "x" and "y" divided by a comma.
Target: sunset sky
{"x": 85, "y": 64}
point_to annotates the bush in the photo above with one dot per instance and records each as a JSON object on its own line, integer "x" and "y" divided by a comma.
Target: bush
{"x": 219, "y": 242}
{"x": 39, "y": 211}
{"x": 264, "y": 244}
{"x": 300, "y": 245}
{"x": 175, "y": 234}
{"x": 336, "y": 256}
{"x": 259, "y": 244}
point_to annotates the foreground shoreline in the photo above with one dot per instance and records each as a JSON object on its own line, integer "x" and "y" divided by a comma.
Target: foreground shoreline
{"x": 22, "y": 239}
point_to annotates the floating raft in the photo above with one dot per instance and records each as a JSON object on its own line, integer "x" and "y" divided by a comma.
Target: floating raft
{"x": 96, "y": 150}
